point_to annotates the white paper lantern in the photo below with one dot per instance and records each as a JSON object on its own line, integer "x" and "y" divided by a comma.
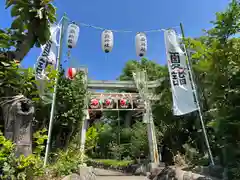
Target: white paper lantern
{"x": 72, "y": 35}
{"x": 141, "y": 44}
{"x": 107, "y": 41}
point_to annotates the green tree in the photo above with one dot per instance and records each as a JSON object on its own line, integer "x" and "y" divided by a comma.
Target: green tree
{"x": 139, "y": 140}
{"x": 217, "y": 68}
{"x": 30, "y": 27}
{"x": 69, "y": 109}
{"x": 106, "y": 136}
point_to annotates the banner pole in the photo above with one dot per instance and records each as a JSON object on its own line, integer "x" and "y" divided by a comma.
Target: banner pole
{"x": 55, "y": 90}
{"x": 197, "y": 99}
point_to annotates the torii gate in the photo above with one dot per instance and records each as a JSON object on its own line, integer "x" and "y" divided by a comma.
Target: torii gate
{"x": 140, "y": 84}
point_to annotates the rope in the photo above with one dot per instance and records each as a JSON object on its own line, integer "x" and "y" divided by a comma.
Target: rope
{"x": 123, "y": 31}
{"x": 12, "y": 99}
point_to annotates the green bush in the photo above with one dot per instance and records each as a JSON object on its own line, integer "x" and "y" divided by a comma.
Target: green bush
{"x": 22, "y": 167}
{"x": 112, "y": 162}
{"x": 67, "y": 162}
{"x": 109, "y": 163}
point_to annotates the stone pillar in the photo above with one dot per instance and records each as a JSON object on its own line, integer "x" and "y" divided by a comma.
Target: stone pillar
{"x": 8, "y": 117}
{"x": 83, "y": 135}
{"x": 24, "y": 111}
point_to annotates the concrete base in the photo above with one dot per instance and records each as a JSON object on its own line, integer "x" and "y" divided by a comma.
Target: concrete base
{"x": 153, "y": 166}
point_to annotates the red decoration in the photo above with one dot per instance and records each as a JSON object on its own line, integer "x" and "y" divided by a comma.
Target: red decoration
{"x": 94, "y": 102}
{"x": 108, "y": 102}
{"x": 71, "y": 73}
{"x": 124, "y": 103}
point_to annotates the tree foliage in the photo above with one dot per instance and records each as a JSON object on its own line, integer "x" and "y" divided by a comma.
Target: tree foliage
{"x": 218, "y": 70}
{"x": 30, "y": 26}
{"x": 216, "y": 67}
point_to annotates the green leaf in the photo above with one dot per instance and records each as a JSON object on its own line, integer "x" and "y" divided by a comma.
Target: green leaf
{"x": 17, "y": 23}
{"x": 9, "y": 3}
{"x": 51, "y": 9}
{"x": 15, "y": 11}
{"x": 46, "y": 2}
{"x": 36, "y": 99}
{"x": 47, "y": 34}
{"x": 52, "y": 18}
{"x": 5, "y": 64}
{"x": 4, "y": 45}
{"x": 4, "y": 36}
{"x": 43, "y": 32}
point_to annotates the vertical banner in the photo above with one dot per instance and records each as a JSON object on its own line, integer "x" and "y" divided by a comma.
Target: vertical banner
{"x": 47, "y": 57}
{"x": 182, "y": 92}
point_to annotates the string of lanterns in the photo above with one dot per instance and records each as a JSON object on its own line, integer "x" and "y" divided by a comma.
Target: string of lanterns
{"x": 107, "y": 38}
{"x": 107, "y": 41}
{"x": 110, "y": 102}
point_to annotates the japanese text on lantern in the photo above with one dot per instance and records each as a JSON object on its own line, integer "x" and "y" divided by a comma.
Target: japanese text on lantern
{"x": 71, "y": 34}
{"x": 142, "y": 43}
{"x": 178, "y": 72}
{"x": 107, "y": 39}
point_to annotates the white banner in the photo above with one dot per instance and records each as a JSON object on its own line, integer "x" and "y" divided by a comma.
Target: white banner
{"x": 47, "y": 57}
{"x": 182, "y": 92}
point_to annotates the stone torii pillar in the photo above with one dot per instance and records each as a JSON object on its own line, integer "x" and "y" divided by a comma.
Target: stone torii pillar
{"x": 140, "y": 79}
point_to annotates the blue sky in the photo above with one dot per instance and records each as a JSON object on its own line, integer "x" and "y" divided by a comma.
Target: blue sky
{"x": 134, "y": 15}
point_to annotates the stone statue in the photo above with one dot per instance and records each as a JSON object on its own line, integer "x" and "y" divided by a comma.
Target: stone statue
{"x": 18, "y": 115}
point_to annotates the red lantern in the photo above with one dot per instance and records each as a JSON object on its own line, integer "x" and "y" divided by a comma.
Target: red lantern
{"x": 94, "y": 104}
{"x": 124, "y": 103}
{"x": 71, "y": 73}
{"x": 108, "y": 103}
